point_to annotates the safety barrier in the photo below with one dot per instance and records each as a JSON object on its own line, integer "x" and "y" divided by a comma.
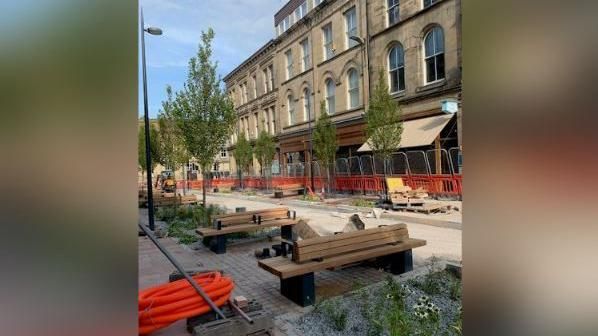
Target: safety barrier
{"x": 435, "y": 184}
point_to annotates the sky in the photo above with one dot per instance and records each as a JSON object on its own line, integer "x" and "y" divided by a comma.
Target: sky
{"x": 241, "y": 27}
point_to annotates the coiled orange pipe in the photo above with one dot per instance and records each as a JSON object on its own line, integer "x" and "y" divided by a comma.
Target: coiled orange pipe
{"x": 162, "y": 305}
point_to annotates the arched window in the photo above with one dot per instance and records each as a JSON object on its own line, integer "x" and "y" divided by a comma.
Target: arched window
{"x": 306, "y": 105}
{"x": 353, "y": 88}
{"x": 330, "y": 88}
{"x": 434, "y": 54}
{"x": 396, "y": 69}
{"x": 291, "y": 109}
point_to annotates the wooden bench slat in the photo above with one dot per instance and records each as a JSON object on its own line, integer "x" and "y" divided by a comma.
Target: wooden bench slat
{"x": 373, "y": 241}
{"x": 252, "y": 212}
{"x": 208, "y": 232}
{"x": 284, "y": 267}
{"x": 347, "y": 235}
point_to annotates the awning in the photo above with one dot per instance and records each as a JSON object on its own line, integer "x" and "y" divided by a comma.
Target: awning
{"x": 418, "y": 132}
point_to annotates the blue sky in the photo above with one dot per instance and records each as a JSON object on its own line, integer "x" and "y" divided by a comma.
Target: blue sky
{"x": 241, "y": 27}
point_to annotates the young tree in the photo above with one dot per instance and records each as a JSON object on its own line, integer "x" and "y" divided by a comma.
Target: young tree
{"x": 264, "y": 150}
{"x": 324, "y": 142}
{"x": 203, "y": 113}
{"x": 172, "y": 146}
{"x": 243, "y": 155}
{"x": 384, "y": 126}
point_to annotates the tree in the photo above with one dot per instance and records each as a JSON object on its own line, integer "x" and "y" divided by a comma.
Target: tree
{"x": 203, "y": 113}
{"x": 383, "y": 118}
{"x": 154, "y": 148}
{"x": 324, "y": 142}
{"x": 243, "y": 155}
{"x": 172, "y": 146}
{"x": 265, "y": 148}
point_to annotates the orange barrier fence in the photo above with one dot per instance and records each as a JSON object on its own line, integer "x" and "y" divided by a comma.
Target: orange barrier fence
{"x": 441, "y": 184}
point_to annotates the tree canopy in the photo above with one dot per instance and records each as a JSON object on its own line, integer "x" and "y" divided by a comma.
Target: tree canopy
{"x": 203, "y": 113}
{"x": 384, "y": 126}
{"x": 265, "y": 148}
{"x": 172, "y": 146}
{"x": 243, "y": 153}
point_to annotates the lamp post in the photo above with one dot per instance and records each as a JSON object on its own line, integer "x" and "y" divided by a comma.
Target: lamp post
{"x": 364, "y": 67}
{"x": 148, "y": 158}
{"x": 310, "y": 139}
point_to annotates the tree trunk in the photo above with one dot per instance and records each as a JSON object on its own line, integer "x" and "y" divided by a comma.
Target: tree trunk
{"x": 203, "y": 188}
{"x": 184, "y": 179}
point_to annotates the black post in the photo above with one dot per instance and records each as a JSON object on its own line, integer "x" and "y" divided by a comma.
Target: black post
{"x": 148, "y": 159}
{"x": 311, "y": 151}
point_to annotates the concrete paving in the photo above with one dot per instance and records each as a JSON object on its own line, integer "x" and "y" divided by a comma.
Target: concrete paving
{"x": 444, "y": 243}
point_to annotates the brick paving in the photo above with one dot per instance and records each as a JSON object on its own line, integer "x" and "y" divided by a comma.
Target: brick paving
{"x": 254, "y": 283}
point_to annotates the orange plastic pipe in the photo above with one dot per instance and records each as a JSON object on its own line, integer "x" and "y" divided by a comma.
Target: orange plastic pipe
{"x": 162, "y": 305}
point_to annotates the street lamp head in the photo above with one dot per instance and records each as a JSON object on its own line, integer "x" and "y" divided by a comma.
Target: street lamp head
{"x": 154, "y": 30}
{"x": 356, "y": 39}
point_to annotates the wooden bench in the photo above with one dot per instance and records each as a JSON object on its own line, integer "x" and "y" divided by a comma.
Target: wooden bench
{"x": 223, "y": 185}
{"x": 389, "y": 243}
{"x": 161, "y": 200}
{"x": 283, "y": 190}
{"x": 246, "y": 222}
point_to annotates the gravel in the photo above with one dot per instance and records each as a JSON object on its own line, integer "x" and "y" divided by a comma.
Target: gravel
{"x": 374, "y": 300}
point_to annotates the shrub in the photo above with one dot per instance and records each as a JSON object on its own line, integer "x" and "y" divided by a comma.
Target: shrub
{"x": 360, "y": 202}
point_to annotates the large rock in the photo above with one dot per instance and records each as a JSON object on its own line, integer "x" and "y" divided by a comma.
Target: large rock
{"x": 355, "y": 224}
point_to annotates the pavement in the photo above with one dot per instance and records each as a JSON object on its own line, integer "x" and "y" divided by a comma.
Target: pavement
{"x": 254, "y": 283}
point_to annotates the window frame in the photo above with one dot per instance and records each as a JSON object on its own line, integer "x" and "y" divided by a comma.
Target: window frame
{"x": 330, "y": 98}
{"x": 430, "y": 3}
{"x": 306, "y": 54}
{"x": 351, "y": 91}
{"x": 273, "y": 120}
{"x": 327, "y": 43}
{"x": 306, "y": 104}
{"x": 291, "y": 110}
{"x": 397, "y": 69}
{"x": 395, "y": 9}
{"x": 349, "y": 14}
{"x": 434, "y": 56}
{"x": 289, "y": 63}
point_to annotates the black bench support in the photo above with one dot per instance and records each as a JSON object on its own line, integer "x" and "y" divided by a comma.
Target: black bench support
{"x": 286, "y": 232}
{"x": 299, "y": 289}
{"x": 401, "y": 262}
{"x": 218, "y": 244}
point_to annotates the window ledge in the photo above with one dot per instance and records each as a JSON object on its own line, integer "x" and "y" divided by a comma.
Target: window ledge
{"x": 431, "y": 85}
{"x": 338, "y": 55}
{"x": 398, "y": 94}
{"x": 297, "y": 75}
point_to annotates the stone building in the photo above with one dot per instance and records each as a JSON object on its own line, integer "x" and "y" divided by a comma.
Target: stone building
{"x": 333, "y": 51}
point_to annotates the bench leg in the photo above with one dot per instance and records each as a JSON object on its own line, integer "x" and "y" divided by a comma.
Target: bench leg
{"x": 218, "y": 244}
{"x": 286, "y": 232}
{"x": 299, "y": 289}
{"x": 401, "y": 262}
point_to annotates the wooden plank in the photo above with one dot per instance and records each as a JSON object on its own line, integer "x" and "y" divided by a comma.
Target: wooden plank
{"x": 377, "y": 240}
{"x": 346, "y": 235}
{"x": 366, "y": 235}
{"x": 284, "y": 267}
{"x": 273, "y": 215}
{"x": 253, "y": 212}
{"x": 208, "y": 232}
{"x": 303, "y": 257}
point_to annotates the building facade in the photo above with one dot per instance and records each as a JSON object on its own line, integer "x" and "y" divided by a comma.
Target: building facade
{"x": 333, "y": 52}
